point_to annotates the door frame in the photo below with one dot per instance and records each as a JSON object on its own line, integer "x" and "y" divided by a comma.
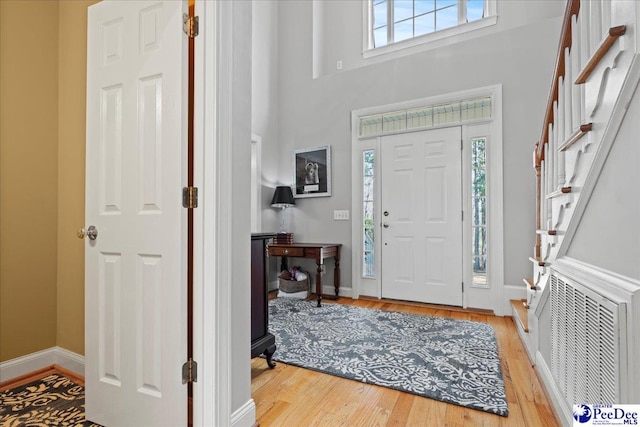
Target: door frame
{"x": 222, "y": 393}
{"x": 492, "y": 295}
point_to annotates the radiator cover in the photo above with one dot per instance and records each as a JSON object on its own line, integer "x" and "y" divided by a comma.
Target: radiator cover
{"x": 586, "y": 332}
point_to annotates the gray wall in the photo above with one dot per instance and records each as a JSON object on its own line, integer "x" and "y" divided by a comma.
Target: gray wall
{"x": 264, "y": 100}
{"x": 519, "y": 53}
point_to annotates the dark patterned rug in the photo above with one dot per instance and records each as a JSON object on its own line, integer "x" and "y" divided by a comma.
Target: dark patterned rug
{"x": 449, "y": 360}
{"x": 51, "y": 401}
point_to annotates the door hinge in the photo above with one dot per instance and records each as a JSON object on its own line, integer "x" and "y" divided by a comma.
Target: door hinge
{"x": 462, "y": 215}
{"x": 190, "y": 197}
{"x": 462, "y": 287}
{"x": 462, "y": 144}
{"x": 190, "y": 25}
{"x": 190, "y": 372}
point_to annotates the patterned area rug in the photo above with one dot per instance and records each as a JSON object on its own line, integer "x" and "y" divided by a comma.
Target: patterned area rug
{"x": 449, "y": 360}
{"x": 51, "y": 401}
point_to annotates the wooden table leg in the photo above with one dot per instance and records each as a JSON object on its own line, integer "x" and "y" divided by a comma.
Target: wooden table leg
{"x": 319, "y": 283}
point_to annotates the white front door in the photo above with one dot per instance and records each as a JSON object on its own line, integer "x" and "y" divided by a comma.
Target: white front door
{"x": 422, "y": 216}
{"x": 135, "y": 270}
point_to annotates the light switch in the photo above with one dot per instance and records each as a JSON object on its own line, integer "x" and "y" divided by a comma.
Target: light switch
{"x": 341, "y": 215}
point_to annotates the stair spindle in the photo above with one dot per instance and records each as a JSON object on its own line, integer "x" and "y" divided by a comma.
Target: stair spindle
{"x": 576, "y": 93}
{"x": 560, "y": 124}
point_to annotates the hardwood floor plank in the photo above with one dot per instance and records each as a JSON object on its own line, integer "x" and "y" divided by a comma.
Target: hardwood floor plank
{"x": 291, "y": 396}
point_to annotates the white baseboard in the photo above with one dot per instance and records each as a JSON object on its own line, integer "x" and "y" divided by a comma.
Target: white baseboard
{"x": 563, "y": 413}
{"x": 70, "y": 360}
{"x": 41, "y": 359}
{"x": 330, "y": 290}
{"x": 245, "y": 416}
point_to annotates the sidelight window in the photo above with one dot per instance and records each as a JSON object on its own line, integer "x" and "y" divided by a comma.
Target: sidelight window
{"x": 479, "y": 210}
{"x": 368, "y": 199}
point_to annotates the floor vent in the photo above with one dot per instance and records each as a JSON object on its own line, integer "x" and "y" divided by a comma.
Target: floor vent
{"x": 586, "y": 331}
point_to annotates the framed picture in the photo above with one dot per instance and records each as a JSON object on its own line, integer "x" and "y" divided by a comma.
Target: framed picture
{"x": 312, "y": 168}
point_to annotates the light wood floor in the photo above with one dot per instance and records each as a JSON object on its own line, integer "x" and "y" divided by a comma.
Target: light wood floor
{"x": 291, "y": 396}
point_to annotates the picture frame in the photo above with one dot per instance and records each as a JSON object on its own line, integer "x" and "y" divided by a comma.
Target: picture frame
{"x": 312, "y": 172}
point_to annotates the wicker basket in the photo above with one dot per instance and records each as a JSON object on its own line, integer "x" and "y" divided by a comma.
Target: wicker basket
{"x": 291, "y": 286}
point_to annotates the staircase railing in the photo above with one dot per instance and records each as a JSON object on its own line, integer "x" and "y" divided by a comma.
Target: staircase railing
{"x": 583, "y": 44}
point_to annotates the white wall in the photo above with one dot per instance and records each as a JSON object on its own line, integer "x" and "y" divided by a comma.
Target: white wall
{"x": 264, "y": 100}
{"x": 609, "y": 233}
{"x": 316, "y": 112}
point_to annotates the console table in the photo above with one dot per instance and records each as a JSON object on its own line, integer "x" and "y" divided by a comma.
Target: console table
{"x": 317, "y": 251}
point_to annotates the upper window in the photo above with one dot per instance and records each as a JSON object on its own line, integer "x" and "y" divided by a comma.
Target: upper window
{"x": 393, "y": 21}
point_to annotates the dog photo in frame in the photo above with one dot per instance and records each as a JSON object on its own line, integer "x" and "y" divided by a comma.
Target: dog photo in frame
{"x": 312, "y": 168}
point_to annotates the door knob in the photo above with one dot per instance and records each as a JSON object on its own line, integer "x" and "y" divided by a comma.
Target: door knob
{"x": 385, "y": 225}
{"x": 91, "y": 233}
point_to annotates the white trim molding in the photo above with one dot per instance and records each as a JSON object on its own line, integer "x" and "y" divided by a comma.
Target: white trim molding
{"x": 245, "y": 415}
{"x": 41, "y": 359}
{"x": 224, "y": 45}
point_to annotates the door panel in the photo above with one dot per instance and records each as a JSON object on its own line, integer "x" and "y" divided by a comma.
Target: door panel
{"x": 135, "y": 271}
{"x": 422, "y": 232}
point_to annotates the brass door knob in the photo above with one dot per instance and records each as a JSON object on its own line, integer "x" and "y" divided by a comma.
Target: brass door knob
{"x": 91, "y": 232}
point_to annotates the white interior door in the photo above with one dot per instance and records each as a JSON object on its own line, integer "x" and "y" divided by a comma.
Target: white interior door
{"x": 422, "y": 216}
{"x": 135, "y": 277}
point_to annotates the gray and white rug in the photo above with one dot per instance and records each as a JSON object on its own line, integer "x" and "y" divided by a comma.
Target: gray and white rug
{"x": 449, "y": 360}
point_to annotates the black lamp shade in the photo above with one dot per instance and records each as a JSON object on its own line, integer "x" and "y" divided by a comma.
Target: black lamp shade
{"x": 283, "y": 197}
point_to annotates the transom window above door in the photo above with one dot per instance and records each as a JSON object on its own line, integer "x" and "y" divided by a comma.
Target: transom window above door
{"x": 395, "y": 21}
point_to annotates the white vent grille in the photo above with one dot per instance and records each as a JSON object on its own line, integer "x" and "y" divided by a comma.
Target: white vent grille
{"x": 585, "y": 343}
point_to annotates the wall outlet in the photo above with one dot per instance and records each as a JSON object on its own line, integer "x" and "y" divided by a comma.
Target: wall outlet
{"x": 340, "y": 215}
{"x": 339, "y": 65}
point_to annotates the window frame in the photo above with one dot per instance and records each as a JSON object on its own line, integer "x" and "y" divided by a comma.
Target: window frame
{"x": 368, "y": 50}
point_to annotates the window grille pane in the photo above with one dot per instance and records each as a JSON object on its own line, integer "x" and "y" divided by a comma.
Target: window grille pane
{"x": 368, "y": 239}
{"x": 423, "y": 6}
{"x": 369, "y": 264}
{"x": 475, "y": 10}
{"x": 479, "y": 210}
{"x": 394, "y": 121}
{"x": 441, "y": 4}
{"x": 380, "y": 14}
{"x": 402, "y": 9}
{"x": 398, "y": 20}
{"x": 368, "y": 207}
{"x": 426, "y": 116}
{"x": 403, "y": 30}
{"x": 448, "y": 113}
{"x": 447, "y": 18}
{"x": 371, "y": 125}
{"x": 380, "y": 37}
{"x": 419, "y": 118}
{"x": 476, "y": 109}
{"x": 425, "y": 24}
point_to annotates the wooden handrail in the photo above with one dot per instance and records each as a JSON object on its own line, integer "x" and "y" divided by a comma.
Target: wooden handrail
{"x": 573, "y": 7}
{"x": 602, "y": 50}
{"x": 576, "y": 136}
